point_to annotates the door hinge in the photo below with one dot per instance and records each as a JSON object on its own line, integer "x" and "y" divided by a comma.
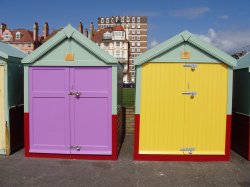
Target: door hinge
{"x": 77, "y": 147}
{"x": 188, "y": 149}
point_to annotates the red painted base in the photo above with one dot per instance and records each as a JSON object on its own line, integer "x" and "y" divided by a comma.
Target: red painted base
{"x": 193, "y": 158}
{"x": 71, "y": 156}
{"x": 241, "y": 135}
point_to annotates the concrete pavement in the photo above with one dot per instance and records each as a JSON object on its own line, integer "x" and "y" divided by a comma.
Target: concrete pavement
{"x": 16, "y": 170}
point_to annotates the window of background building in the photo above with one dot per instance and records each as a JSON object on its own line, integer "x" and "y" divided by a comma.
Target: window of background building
{"x": 117, "y": 53}
{"x": 138, "y": 50}
{"x": 132, "y": 68}
{"x": 138, "y": 31}
{"x": 133, "y": 31}
{"x": 132, "y": 62}
{"x": 138, "y": 19}
{"x": 133, "y": 25}
{"x": 18, "y": 35}
{"x": 122, "y": 20}
{"x": 128, "y": 19}
{"x": 102, "y": 20}
{"x": 29, "y": 44}
{"x": 133, "y": 37}
{"x": 138, "y": 38}
{"x": 133, "y": 19}
{"x": 116, "y": 19}
{"x": 117, "y": 44}
{"x": 133, "y": 43}
{"x": 138, "y": 44}
{"x": 133, "y": 50}
{"x": 107, "y": 20}
{"x": 133, "y": 74}
{"x": 138, "y": 26}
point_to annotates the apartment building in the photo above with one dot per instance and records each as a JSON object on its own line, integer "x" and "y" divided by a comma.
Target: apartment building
{"x": 136, "y": 33}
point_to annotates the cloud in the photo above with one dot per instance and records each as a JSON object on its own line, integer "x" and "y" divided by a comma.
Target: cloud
{"x": 190, "y": 13}
{"x": 228, "y": 41}
{"x": 224, "y": 17}
{"x": 153, "y": 43}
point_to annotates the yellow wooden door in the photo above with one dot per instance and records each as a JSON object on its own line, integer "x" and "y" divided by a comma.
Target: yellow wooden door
{"x": 205, "y": 112}
{"x": 2, "y": 120}
{"x": 162, "y": 108}
{"x": 174, "y": 122}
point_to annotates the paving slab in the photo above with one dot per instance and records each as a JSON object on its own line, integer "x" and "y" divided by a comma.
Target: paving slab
{"x": 16, "y": 170}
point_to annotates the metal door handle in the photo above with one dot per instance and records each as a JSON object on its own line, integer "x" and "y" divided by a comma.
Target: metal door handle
{"x": 189, "y": 93}
{"x": 77, "y": 94}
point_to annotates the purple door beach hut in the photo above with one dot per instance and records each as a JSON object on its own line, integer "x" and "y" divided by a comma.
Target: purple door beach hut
{"x": 72, "y": 96}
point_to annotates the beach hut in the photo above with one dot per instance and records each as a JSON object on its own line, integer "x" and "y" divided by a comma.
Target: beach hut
{"x": 11, "y": 99}
{"x": 241, "y": 107}
{"x": 183, "y": 101}
{"x": 72, "y": 99}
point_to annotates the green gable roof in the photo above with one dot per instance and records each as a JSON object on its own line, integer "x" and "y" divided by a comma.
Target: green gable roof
{"x": 244, "y": 62}
{"x": 6, "y": 51}
{"x": 69, "y": 32}
{"x": 183, "y": 37}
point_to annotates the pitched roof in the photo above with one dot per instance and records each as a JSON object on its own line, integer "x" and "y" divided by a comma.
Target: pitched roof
{"x": 26, "y": 36}
{"x": 118, "y": 28}
{"x": 98, "y": 36}
{"x": 7, "y": 50}
{"x": 69, "y": 32}
{"x": 185, "y": 36}
{"x": 244, "y": 62}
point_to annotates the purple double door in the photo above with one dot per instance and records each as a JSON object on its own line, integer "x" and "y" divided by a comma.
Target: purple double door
{"x": 70, "y": 110}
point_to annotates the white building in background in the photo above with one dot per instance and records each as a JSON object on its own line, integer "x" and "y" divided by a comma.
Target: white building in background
{"x": 113, "y": 40}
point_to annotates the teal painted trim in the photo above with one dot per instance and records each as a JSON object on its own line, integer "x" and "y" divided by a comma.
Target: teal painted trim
{"x": 138, "y": 90}
{"x": 244, "y": 62}
{"x": 114, "y": 89}
{"x": 69, "y": 32}
{"x": 26, "y": 88}
{"x": 2, "y": 152}
{"x": 47, "y": 46}
{"x": 7, "y": 50}
{"x": 174, "y": 60}
{"x": 183, "y": 37}
{"x": 69, "y": 63}
{"x": 229, "y": 91}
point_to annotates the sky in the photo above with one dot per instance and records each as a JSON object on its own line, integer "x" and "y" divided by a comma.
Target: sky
{"x": 224, "y": 23}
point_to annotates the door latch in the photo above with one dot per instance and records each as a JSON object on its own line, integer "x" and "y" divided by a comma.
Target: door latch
{"x": 192, "y": 66}
{"x": 77, "y": 147}
{"x": 192, "y": 93}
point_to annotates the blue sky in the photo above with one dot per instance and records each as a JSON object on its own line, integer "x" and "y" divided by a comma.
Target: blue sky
{"x": 226, "y": 24}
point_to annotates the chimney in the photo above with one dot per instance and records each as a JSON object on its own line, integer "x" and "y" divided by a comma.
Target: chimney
{"x": 2, "y": 28}
{"x": 45, "y": 30}
{"x": 91, "y": 31}
{"x": 86, "y": 33}
{"x": 35, "y": 32}
{"x": 80, "y": 27}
